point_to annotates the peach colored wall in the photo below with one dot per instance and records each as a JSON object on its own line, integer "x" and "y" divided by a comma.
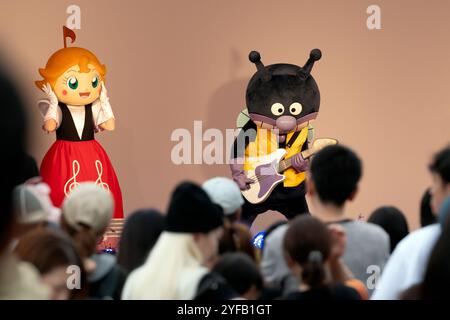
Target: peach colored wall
{"x": 385, "y": 93}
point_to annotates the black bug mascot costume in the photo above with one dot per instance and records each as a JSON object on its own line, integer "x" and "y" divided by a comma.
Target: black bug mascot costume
{"x": 282, "y": 100}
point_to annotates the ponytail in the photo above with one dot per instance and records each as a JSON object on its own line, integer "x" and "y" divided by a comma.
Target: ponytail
{"x": 313, "y": 271}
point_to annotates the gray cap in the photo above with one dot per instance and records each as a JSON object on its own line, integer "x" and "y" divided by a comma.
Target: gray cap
{"x": 32, "y": 203}
{"x": 88, "y": 204}
{"x": 224, "y": 192}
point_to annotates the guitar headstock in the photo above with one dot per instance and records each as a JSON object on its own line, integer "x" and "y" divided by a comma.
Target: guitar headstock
{"x": 319, "y": 144}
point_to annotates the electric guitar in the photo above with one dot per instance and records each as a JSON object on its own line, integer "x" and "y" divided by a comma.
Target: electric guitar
{"x": 268, "y": 169}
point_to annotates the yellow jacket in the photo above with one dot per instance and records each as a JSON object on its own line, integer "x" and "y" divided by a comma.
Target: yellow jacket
{"x": 266, "y": 143}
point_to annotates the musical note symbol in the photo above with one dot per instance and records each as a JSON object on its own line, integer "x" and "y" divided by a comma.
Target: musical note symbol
{"x": 72, "y": 182}
{"x": 99, "y": 182}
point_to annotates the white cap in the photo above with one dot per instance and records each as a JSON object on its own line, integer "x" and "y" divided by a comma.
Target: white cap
{"x": 32, "y": 203}
{"x": 88, "y": 204}
{"x": 224, "y": 192}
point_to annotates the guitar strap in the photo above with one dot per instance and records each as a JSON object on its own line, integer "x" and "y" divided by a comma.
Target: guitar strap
{"x": 292, "y": 139}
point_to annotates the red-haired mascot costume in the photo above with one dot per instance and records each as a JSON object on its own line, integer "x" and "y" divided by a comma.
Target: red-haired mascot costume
{"x": 77, "y": 107}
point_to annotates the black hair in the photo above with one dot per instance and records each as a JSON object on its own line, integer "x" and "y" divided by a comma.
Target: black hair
{"x": 336, "y": 171}
{"x": 441, "y": 164}
{"x": 427, "y": 216}
{"x": 140, "y": 233}
{"x": 240, "y": 271}
{"x": 393, "y": 221}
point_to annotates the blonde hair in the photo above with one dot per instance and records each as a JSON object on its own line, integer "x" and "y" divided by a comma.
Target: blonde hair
{"x": 172, "y": 270}
{"x": 63, "y": 59}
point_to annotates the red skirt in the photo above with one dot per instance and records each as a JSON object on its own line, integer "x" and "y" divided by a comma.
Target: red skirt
{"x": 67, "y": 163}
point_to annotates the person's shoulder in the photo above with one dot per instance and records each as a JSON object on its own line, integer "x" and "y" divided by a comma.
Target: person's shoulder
{"x": 105, "y": 263}
{"x": 133, "y": 278}
{"x": 336, "y": 291}
{"x": 369, "y": 230}
{"x": 407, "y": 263}
{"x": 343, "y": 292}
{"x": 422, "y": 237}
{"x": 368, "y": 226}
{"x": 430, "y": 231}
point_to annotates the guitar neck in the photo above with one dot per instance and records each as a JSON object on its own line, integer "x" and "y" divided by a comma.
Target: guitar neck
{"x": 287, "y": 163}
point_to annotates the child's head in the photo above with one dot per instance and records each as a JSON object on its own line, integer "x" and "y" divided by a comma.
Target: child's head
{"x": 75, "y": 75}
{"x": 241, "y": 273}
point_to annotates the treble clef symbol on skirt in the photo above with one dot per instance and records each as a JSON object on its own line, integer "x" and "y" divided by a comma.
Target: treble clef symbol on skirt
{"x": 72, "y": 182}
{"x": 99, "y": 182}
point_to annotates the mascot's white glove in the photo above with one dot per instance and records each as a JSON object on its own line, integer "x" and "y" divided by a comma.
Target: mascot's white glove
{"x": 104, "y": 102}
{"x": 52, "y": 111}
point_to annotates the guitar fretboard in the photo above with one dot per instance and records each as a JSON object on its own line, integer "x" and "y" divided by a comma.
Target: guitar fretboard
{"x": 287, "y": 163}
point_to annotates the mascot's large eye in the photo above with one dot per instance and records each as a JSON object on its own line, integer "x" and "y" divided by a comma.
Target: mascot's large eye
{"x": 72, "y": 82}
{"x": 95, "y": 82}
{"x": 295, "y": 108}
{"x": 277, "y": 109}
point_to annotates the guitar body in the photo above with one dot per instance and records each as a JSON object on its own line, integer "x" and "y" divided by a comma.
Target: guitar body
{"x": 266, "y": 170}
{"x": 265, "y": 174}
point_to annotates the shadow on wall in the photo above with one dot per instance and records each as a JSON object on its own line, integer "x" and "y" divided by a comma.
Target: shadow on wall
{"x": 223, "y": 108}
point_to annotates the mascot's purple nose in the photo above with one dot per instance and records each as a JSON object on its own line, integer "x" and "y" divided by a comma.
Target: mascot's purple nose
{"x": 286, "y": 123}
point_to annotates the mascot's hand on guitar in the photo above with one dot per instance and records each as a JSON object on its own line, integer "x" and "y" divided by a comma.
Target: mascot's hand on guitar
{"x": 239, "y": 176}
{"x": 298, "y": 163}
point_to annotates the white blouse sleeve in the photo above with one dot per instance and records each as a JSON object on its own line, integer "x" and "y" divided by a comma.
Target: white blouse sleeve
{"x": 49, "y": 111}
{"x": 101, "y": 113}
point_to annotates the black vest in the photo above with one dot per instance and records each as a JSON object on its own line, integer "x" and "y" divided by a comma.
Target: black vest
{"x": 68, "y": 131}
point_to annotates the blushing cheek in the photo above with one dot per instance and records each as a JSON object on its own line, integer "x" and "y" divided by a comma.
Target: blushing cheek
{"x": 64, "y": 92}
